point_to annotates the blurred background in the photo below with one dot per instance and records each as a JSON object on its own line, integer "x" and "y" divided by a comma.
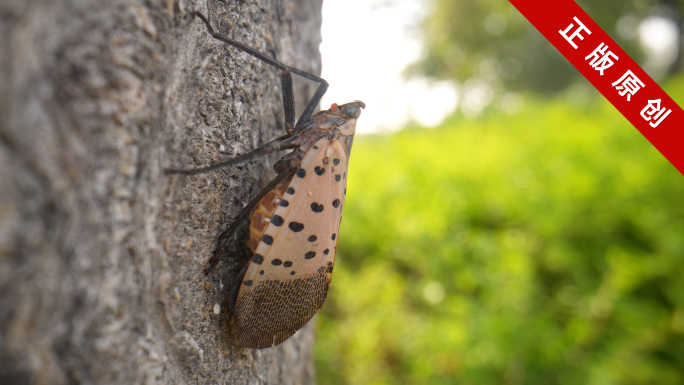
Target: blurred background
{"x": 504, "y": 223}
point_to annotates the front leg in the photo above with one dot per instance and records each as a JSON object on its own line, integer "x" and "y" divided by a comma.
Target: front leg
{"x": 285, "y": 142}
{"x": 285, "y": 77}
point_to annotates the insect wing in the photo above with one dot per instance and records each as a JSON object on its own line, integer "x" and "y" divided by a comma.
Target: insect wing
{"x": 287, "y": 280}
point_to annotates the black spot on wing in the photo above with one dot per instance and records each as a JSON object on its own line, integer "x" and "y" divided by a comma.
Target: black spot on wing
{"x": 277, "y": 220}
{"x": 312, "y": 238}
{"x": 310, "y": 255}
{"x": 319, "y": 170}
{"x": 336, "y": 203}
{"x": 317, "y": 208}
{"x": 296, "y": 226}
{"x": 301, "y": 173}
{"x": 258, "y": 259}
{"x": 267, "y": 239}
{"x": 276, "y": 262}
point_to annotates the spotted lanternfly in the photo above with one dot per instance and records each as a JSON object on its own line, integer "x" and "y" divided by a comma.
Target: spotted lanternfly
{"x": 295, "y": 220}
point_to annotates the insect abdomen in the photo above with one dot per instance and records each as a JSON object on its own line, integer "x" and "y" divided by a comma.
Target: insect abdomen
{"x": 263, "y": 213}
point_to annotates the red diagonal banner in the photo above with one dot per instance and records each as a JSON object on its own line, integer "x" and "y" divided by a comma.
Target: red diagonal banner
{"x": 612, "y": 72}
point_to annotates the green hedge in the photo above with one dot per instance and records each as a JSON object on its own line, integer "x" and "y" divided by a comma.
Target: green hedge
{"x": 545, "y": 247}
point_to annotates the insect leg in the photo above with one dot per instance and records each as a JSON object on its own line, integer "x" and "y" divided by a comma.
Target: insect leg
{"x": 288, "y": 100}
{"x": 223, "y": 238}
{"x": 286, "y": 77}
{"x": 281, "y": 143}
{"x": 237, "y": 159}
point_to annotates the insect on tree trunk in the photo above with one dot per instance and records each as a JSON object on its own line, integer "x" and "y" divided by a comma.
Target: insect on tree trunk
{"x": 101, "y": 254}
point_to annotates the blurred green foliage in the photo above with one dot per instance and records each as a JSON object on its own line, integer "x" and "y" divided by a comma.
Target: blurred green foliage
{"x": 491, "y": 40}
{"x": 545, "y": 247}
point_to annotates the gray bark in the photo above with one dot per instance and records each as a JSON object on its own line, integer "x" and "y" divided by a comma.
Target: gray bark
{"x": 101, "y": 254}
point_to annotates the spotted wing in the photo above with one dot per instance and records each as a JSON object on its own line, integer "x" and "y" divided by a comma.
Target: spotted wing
{"x": 287, "y": 279}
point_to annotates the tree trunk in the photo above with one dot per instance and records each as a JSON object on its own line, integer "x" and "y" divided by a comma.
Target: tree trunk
{"x": 101, "y": 254}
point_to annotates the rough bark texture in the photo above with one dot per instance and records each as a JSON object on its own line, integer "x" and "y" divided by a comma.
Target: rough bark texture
{"x": 101, "y": 254}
